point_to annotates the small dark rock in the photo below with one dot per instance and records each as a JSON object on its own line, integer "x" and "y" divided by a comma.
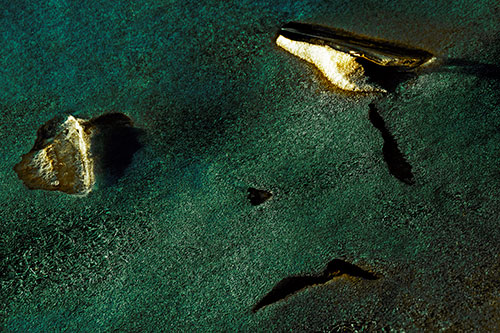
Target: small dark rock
{"x": 258, "y": 197}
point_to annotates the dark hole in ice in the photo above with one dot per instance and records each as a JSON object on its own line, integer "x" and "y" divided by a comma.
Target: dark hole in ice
{"x": 258, "y": 197}
{"x": 396, "y": 162}
{"x": 293, "y": 284}
{"x": 114, "y": 143}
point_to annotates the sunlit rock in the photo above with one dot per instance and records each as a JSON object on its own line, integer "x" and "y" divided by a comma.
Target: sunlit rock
{"x": 340, "y": 55}
{"x": 60, "y": 159}
{"x": 67, "y": 153}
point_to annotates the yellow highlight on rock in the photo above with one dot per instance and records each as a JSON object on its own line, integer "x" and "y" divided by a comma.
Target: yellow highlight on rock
{"x": 76, "y": 134}
{"x": 69, "y": 151}
{"x": 341, "y": 69}
{"x": 60, "y": 161}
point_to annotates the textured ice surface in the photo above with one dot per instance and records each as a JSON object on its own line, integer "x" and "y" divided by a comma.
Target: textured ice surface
{"x": 175, "y": 244}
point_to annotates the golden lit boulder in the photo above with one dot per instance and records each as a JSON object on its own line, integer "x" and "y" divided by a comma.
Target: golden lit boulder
{"x": 60, "y": 159}
{"x": 67, "y": 153}
{"x": 346, "y": 58}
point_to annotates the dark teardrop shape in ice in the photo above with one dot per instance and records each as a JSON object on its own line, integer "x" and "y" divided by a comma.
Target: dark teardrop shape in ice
{"x": 258, "y": 197}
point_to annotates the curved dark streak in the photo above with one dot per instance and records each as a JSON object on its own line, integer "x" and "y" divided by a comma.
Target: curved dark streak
{"x": 293, "y": 284}
{"x": 396, "y": 162}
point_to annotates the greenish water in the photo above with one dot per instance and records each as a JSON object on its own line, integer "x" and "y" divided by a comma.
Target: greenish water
{"x": 175, "y": 245}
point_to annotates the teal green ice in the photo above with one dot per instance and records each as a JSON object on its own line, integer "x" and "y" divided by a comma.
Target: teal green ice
{"x": 174, "y": 243}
